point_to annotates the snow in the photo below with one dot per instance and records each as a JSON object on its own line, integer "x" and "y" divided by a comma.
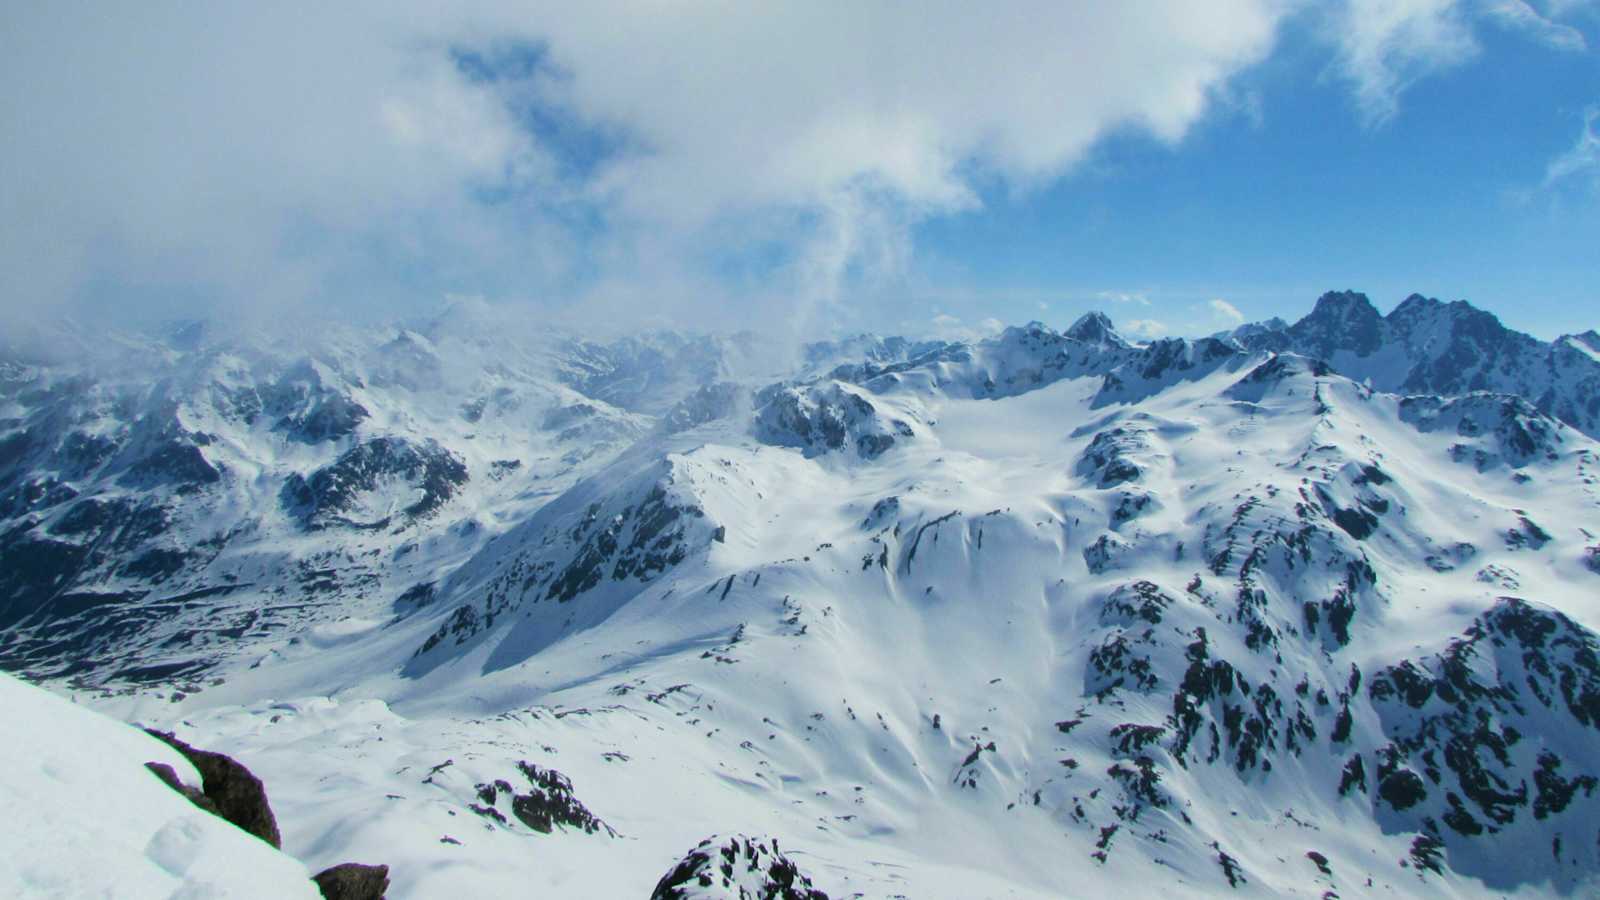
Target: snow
{"x": 85, "y": 818}
{"x": 904, "y": 666}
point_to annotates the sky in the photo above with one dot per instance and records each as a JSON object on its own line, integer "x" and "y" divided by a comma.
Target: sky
{"x": 936, "y": 168}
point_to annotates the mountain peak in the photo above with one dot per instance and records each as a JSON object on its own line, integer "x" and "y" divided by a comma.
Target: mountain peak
{"x": 1341, "y": 320}
{"x": 1587, "y": 343}
{"x": 1095, "y": 328}
{"x": 1414, "y": 304}
{"x": 1346, "y": 303}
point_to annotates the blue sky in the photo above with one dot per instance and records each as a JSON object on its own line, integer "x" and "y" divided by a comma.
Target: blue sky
{"x": 1267, "y": 205}
{"x": 799, "y": 166}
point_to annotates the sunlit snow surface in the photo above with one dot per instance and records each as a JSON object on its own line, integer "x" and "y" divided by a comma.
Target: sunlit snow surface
{"x": 85, "y": 818}
{"x": 898, "y": 665}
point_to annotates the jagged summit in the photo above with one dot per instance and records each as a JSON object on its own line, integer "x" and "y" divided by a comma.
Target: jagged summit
{"x": 1587, "y": 343}
{"x": 1341, "y": 320}
{"x": 1095, "y": 328}
{"x": 1426, "y": 346}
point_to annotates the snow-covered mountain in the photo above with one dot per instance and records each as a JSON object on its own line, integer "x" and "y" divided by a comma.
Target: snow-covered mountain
{"x": 171, "y": 497}
{"x": 1296, "y": 610}
{"x": 1425, "y": 346}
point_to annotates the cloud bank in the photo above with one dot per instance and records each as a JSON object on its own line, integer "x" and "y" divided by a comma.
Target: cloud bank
{"x": 265, "y": 153}
{"x": 634, "y": 162}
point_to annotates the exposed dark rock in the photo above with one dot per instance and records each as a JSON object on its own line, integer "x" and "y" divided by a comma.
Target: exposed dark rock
{"x": 826, "y": 416}
{"x": 548, "y": 803}
{"x": 644, "y": 373}
{"x": 416, "y": 597}
{"x": 736, "y": 868}
{"x": 1279, "y": 371}
{"x": 329, "y": 496}
{"x": 1095, "y": 328}
{"x": 33, "y": 572}
{"x": 1341, "y": 320}
{"x": 1230, "y": 868}
{"x": 238, "y": 795}
{"x": 1135, "y": 603}
{"x": 177, "y": 460}
{"x": 1112, "y": 458}
{"x": 353, "y": 881}
{"x": 638, "y": 542}
{"x": 1425, "y": 853}
{"x": 169, "y": 777}
{"x": 1478, "y": 731}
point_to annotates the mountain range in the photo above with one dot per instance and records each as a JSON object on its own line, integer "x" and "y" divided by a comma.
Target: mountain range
{"x": 1292, "y": 610}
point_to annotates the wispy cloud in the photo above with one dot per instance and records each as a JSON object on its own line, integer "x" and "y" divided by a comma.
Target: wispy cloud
{"x": 1124, "y": 297}
{"x": 951, "y": 328}
{"x": 1582, "y": 158}
{"x": 1386, "y": 45}
{"x": 1226, "y": 311}
{"x": 1521, "y": 16}
{"x": 1145, "y": 328}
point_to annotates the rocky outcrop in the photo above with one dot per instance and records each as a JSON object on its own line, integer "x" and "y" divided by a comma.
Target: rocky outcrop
{"x": 169, "y": 777}
{"x": 1491, "y": 429}
{"x": 1495, "y": 733}
{"x": 548, "y": 803}
{"x": 353, "y": 881}
{"x": 231, "y": 792}
{"x": 825, "y": 417}
{"x": 736, "y": 868}
{"x": 1115, "y": 456}
{"x": 707, "y": 404}
{"x": 337, "y": 493}
{"x": 236, "y": 794}
{"x": 647, "y": 373}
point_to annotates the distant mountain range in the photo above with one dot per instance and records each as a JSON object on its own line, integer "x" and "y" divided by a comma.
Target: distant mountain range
{"x": 1425, "y": 346}
{"x": 1297, "y": 610}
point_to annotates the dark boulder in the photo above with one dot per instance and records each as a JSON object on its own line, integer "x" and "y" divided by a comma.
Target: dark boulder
{"x": 238, "y": 795}
{"x": 736, "y": 867}
{"x": 353, "y": 881}
{"x": 169, "y": 777}
{"x": 549, "y": 803}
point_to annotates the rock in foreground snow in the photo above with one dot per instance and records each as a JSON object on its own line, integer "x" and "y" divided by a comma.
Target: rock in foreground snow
{"x": 85, "y": 818}
{"x": 736, "y": 868}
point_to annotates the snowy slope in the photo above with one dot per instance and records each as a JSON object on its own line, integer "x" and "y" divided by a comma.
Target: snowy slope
{"x": 164, "y": 498}
{"x": 1048, "y": 615}
{"x": 85, "y": 818}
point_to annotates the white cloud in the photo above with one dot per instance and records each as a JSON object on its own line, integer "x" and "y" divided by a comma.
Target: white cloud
{"x": 1583, "y": 157}
{"x": 946, "y": 327}
{"x": 1519, "y": 15}
{"x": 1386, "y": 45}
{"x": 266, "y": 151}
{"x": 1124, "y": 297}
{"x": 1226, "y": 311}
{"x": 1145, "y": 328}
